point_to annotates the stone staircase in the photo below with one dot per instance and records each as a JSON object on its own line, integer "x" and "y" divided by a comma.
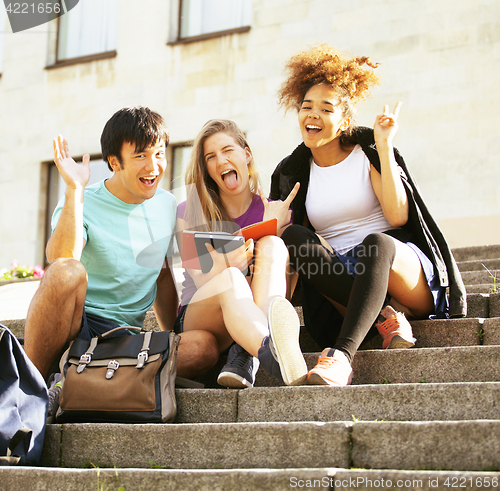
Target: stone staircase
{"x": 425, "y": 418}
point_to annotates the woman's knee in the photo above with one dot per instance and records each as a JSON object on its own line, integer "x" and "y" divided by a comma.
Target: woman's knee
{"x": 296, "y": 235}
{"x": 377, "y": 245}
{"x": 271, "y": 246}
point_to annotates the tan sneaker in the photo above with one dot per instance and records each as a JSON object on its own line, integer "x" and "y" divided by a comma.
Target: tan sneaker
{"x": 333, "y": 368}
{"x": 396, "y": 330}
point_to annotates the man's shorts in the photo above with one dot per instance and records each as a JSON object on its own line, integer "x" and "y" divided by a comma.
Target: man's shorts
{"x": 93, "y": 326}
{"x": 179, "y": 322}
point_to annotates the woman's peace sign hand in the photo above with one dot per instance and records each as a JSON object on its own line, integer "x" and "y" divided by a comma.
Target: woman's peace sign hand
{"x": 386, "y": 125}
{"x": 279, "y": 209}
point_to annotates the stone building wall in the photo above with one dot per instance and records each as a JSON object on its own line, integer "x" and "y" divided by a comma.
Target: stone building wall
{"x": 440, "y": 57}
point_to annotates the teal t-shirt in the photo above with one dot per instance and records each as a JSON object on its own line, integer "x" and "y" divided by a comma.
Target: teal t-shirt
{"x": 125, "y": 249}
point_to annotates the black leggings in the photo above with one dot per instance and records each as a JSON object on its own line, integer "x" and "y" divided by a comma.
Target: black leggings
{"x": 363, "y": 296}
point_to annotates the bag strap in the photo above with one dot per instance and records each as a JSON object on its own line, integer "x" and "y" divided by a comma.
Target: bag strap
{"x": 119, "y": 329}
{"x": 20, "y": 435}
{"x": 143, "y": 356}
{"x": 87, "y": 356}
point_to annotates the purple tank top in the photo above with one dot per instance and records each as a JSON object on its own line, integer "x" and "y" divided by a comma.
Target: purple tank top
{"x": 254, "y": 214}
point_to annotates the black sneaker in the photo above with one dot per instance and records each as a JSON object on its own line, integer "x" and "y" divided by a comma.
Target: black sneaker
{"x": 240, "y": 369}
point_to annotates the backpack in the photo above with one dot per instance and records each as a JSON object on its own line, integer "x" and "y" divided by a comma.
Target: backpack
{"x": 23, "y": 404}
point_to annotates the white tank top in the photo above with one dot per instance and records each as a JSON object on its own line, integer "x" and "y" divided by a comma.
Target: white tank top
{"x": 341, "y": 204}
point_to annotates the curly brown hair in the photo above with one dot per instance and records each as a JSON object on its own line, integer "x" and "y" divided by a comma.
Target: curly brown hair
{"x": 322, "y": 63}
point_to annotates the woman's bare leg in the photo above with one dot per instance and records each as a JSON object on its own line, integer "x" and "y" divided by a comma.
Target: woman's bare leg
{"x": 407, "y": 282}
{"x": 229, "y": 314}
{"x": 270, "y": 271}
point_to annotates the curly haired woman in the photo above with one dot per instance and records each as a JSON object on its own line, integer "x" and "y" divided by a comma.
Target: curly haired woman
{"x": 362, "y": 241}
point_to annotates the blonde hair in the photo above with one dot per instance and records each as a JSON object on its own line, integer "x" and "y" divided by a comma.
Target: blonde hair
{"x": 202, "y": 189}
{"x": 323, "y": 64}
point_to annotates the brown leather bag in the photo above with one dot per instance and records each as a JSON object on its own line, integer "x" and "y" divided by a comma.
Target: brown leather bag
{"x": 128, "y": 379}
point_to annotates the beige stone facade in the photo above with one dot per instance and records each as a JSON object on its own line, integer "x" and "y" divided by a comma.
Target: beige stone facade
{"x": 440, "y": 57}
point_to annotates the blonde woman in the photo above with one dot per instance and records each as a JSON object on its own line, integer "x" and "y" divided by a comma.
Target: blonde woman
{"x": 362, "y": 235}
{"x": 248, "y": 314}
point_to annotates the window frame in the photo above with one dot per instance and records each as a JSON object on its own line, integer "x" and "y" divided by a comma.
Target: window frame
{"x": 77, "y": 59}
{"x": 177, "y": 39}
{"x": 171, "y": 158}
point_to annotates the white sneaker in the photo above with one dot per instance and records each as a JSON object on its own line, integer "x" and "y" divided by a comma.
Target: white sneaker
{"x": 284, "y": 330}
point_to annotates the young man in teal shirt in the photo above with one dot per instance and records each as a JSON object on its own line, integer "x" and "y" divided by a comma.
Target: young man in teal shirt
{"x": 109, "y": 249}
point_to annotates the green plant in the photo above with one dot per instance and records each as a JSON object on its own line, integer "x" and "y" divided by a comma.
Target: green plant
{"x": 154, "y": 465}
{"x": 422, "y": 381}
{"x": 115, "y": 485}
{"x": 496, "y": 287}
{"x": 385, "y": 380}
{"x": 480, "y": 335}
{"x": 17, "y": 271}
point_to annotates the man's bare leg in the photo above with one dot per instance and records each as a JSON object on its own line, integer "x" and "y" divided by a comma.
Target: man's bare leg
{"x": 55, "y": 312}
{"x": 198, "y": 353}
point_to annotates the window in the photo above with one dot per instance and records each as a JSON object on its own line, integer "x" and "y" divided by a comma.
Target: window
{"x": 180, "y": 160}
{"x": 202, "y": 17}
{"x": 56, "y": 187}
{"x": 88, "y": 29}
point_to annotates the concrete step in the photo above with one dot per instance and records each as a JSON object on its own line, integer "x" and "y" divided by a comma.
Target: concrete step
{"x": 479, "y": 265}
{"x": 432, "y": 365}
{"x": 479, "y": 306}
{"x": 43, "y": 479}
{"x": 417, "y": 365}
{"x": 447, "y": 445}
{"x": 474, "y": 253}
{"x": 384, "y": 402}
{"x": 482, "y": 278}
{"x": 430, "y": 334}
{"x": 482, "y": 288}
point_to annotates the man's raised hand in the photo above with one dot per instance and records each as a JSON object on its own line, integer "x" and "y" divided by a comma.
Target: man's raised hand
{"x": 279, "y": 209}
{"x": 74, "y": 175}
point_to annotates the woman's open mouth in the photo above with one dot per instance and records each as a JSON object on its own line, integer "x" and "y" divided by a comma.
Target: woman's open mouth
{"x": 230, "y": 178}
{"x": 313, "y": 129}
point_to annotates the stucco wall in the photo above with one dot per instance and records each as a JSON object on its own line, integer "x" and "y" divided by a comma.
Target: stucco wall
{"x": 440, "y": 57}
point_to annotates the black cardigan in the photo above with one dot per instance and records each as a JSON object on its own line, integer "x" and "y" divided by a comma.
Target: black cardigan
{"x": 429, "y": 238}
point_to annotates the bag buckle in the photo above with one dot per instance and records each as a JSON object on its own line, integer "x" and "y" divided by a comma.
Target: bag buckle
{"x": 112, "y": 367}
{"x": 84, "y": 361}
{"x": 142, "y": 358}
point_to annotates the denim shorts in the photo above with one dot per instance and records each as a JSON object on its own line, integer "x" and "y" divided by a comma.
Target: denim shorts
{"x": 179, "y": 322}
{"x": 93, "y": 326}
